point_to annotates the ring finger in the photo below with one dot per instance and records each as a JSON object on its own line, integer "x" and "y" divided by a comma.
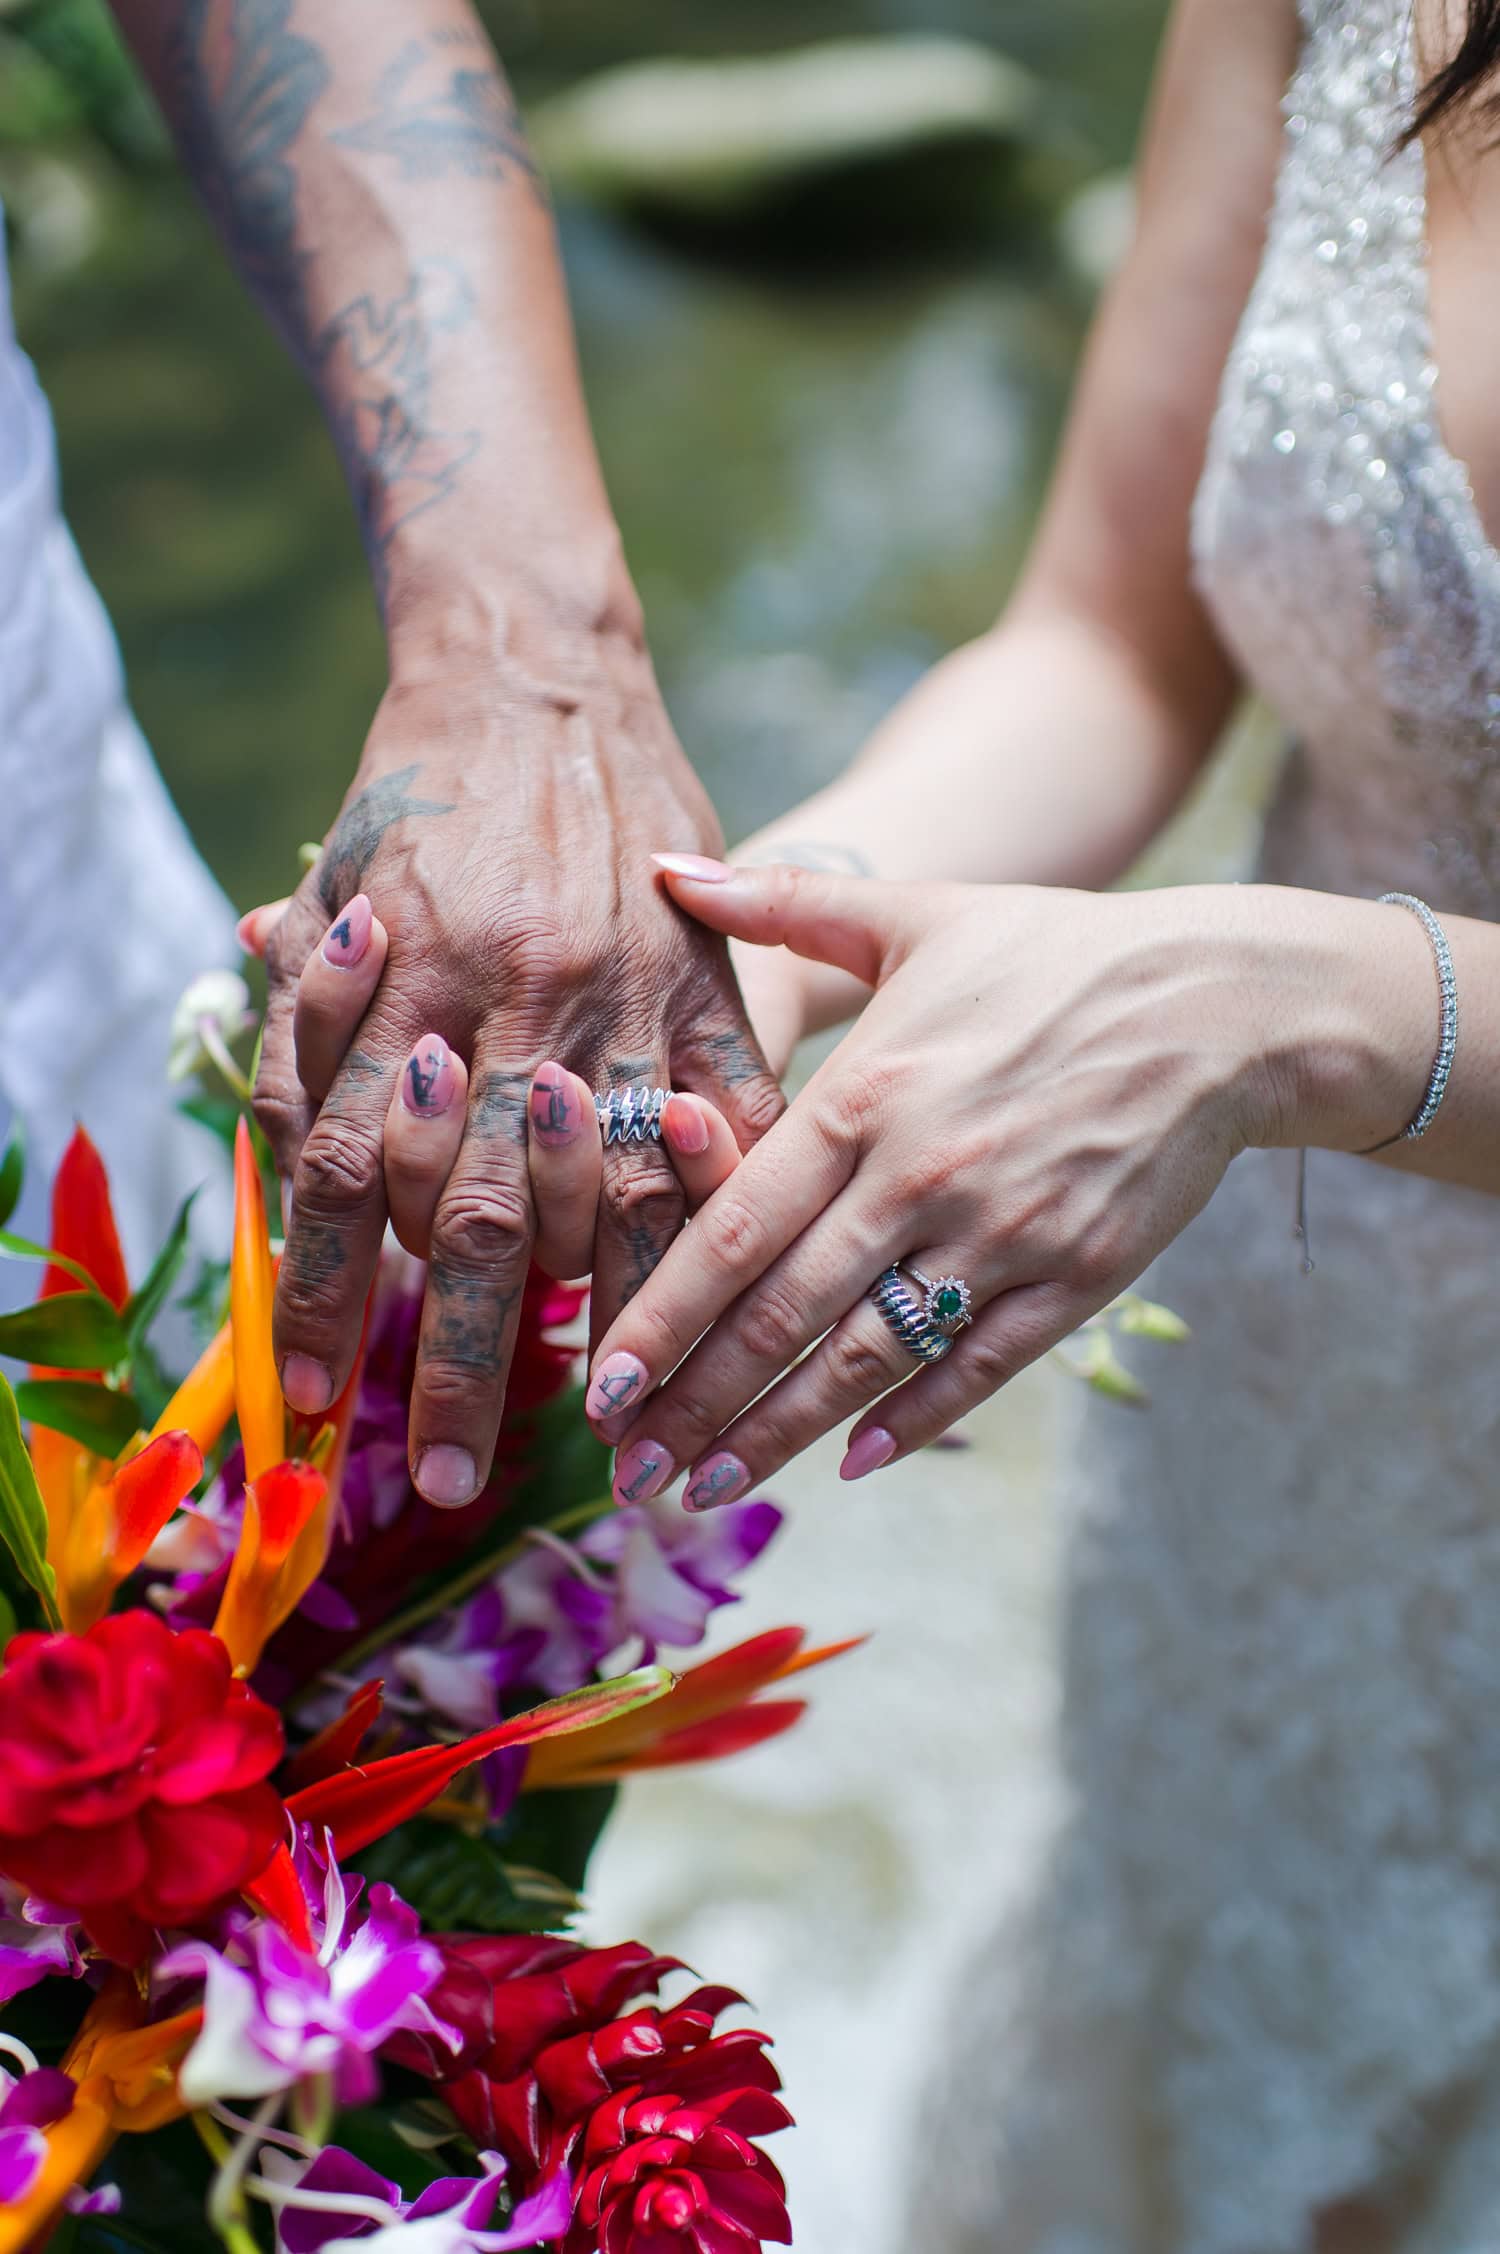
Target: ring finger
{"x": 423, "y": 1130}
{"x": 566, "y": 1162}
{"x": 859, "y": 1361}
{"x": 761, "y": 1337}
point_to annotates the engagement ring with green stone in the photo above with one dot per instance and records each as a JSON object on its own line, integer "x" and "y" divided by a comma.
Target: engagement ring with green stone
{"x": 949, "y": 1302}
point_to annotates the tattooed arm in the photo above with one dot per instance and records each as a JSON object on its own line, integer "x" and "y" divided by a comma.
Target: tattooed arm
{"x": 364, "y": 164}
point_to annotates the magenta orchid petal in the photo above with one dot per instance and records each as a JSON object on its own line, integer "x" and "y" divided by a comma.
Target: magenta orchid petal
{"x": 274, "y": 2016}
{"x": 22, "y": 2152}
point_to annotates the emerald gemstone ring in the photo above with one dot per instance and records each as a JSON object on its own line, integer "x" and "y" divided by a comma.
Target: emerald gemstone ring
{"x": 948, "y": 1305}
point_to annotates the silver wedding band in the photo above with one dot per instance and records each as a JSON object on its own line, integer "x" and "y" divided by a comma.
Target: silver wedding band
{"x": 905, "y": 1320}
{"x": 630, "y": 1115}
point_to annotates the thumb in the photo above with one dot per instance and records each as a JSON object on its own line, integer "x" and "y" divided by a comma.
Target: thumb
{"x": 853, "y": 923}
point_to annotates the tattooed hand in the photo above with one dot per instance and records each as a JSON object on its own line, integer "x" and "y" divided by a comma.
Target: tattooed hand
{"x": 501, "y": 828}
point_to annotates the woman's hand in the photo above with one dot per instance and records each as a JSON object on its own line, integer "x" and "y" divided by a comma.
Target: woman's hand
{"x": 1044, "y": 1089}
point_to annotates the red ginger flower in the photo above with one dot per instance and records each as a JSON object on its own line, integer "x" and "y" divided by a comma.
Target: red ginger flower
{"x": 547, "y": 2042}
{"x": 132, "y": 1770}
{"x": 661, "y": 2177}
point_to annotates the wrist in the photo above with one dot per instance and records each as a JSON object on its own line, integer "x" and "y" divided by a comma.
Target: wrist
{"x": 1344, "y": 999}
{"x": 566, "y": 618}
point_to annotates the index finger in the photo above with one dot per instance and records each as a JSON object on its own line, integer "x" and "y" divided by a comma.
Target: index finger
{"x": 777, "y": 1191}
{"x": 337, "y": 1221}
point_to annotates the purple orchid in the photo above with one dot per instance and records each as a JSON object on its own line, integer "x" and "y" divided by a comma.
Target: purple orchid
{"x": 651, "y": 1574}
{"x": 273, "y": 2015}
{"x": 30, "y": 2103}
{"x": 340, "y": 2199}
{"x": 36, "y": 1938}
{"x": 673, "y": 1568}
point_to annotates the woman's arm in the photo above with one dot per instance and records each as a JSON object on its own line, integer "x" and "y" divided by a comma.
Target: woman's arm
{"x": 1051, "y": 750}
{"x": 1045, "y": 1088}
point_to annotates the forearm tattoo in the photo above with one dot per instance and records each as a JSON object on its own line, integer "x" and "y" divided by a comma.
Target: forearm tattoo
{"x": 442, "y": 107}
{"x": 374, "y": 368}
{"x": 244, "y": 84}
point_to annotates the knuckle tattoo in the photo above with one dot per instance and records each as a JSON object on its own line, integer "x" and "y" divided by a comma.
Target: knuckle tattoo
{"x": 481, "y": 1229}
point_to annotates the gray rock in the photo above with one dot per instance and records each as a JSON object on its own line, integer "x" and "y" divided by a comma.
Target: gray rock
{"x": 723, "y": 139}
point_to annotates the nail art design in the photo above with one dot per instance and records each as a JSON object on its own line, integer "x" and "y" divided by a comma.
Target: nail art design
{"x": 348, "y": 938}
{"x": 718, "y": 1479}
{"x": 642, "y": 1471}
{"x": 554, "y": 1113}
{"x": 427, "y": 1088}
{"x": 617, "y": 1385}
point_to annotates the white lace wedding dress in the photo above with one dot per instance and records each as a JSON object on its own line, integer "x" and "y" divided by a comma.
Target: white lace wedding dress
{"x": 1263, "y": 1973}
{"x": 106, "y": 911}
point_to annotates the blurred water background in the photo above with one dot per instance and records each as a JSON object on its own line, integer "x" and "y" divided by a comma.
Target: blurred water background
{"x": 826, "y": 437}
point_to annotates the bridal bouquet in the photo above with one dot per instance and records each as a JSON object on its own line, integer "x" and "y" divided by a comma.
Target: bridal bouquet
{"x": 298, "y": 1782}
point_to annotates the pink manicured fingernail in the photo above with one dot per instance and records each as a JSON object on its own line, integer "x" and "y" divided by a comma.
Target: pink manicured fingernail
{"x": 868, "y": 1452}
{"x": 306, "y": 1384}
{"x": 619, "y": 1385}
{"x": 447, "y": 1477}
{"x": 641, "y": 1471}
{"x": 244, "y": 931}
{"x": 556, "y": 1115}
{"x": 685, "y": 1127}
{"x": 430, "y": 1078}
{"x": 695, "y": 865}
{"x": 718, "y": 1479}
{"x": 349, "y": 936}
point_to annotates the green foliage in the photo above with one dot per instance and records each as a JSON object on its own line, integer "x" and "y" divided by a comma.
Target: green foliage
{"x": 94, "y": 1415}
{"x": 65, "y": 71}
{"x": 164, "y": 2183}
{"x": 12, "y": 1173}
{"x": 78, "y": 1330}
{"x": 460, "y": 1883}
{"x": 206, "y": 1300}
{"x": 26, "y": 1579}
{"x": 146, "y": 1304}
{"x": 558, "y": 1831}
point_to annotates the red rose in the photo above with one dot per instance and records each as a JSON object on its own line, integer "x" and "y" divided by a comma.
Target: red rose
{"x": 661, "y": 2177}
{"x": 132, "y": 1770}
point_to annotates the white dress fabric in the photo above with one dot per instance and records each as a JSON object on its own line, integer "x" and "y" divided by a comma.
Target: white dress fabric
{"x": 106, "y": 910}
{"x": 1262, "y": 1973}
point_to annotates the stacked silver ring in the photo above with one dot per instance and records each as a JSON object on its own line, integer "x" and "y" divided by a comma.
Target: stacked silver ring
{"x": 630, "y": 1115}
{"x": 906, "y": 1320}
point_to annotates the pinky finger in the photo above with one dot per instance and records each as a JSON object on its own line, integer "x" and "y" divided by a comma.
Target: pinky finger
{"x": 703, "y": 1146}
{"x": 1011, "y": 1332}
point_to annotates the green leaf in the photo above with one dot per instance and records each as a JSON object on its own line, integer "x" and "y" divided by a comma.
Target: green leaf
{"x": 145, "y": 1305}
{"x": 76, "y": 1330}
{"x": 1147, "y": 1318}
{"x": 23, "y": 1520}
{"x": 219, "y": 1114}
{"x": 206, "y": 1300}
{"x": 12, "y": 1173}
{"x": 369, "y": 2132}
{"x": 558, "y": 1831}
{"x": 93, "y": 1415}
{"x": 461, "y": 1884}
{"x": 22, "y": 1248}
{"x": 164, "y": 2183}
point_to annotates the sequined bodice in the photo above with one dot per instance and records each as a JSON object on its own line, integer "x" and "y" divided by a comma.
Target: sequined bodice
{"x": 1336, "y": 539}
